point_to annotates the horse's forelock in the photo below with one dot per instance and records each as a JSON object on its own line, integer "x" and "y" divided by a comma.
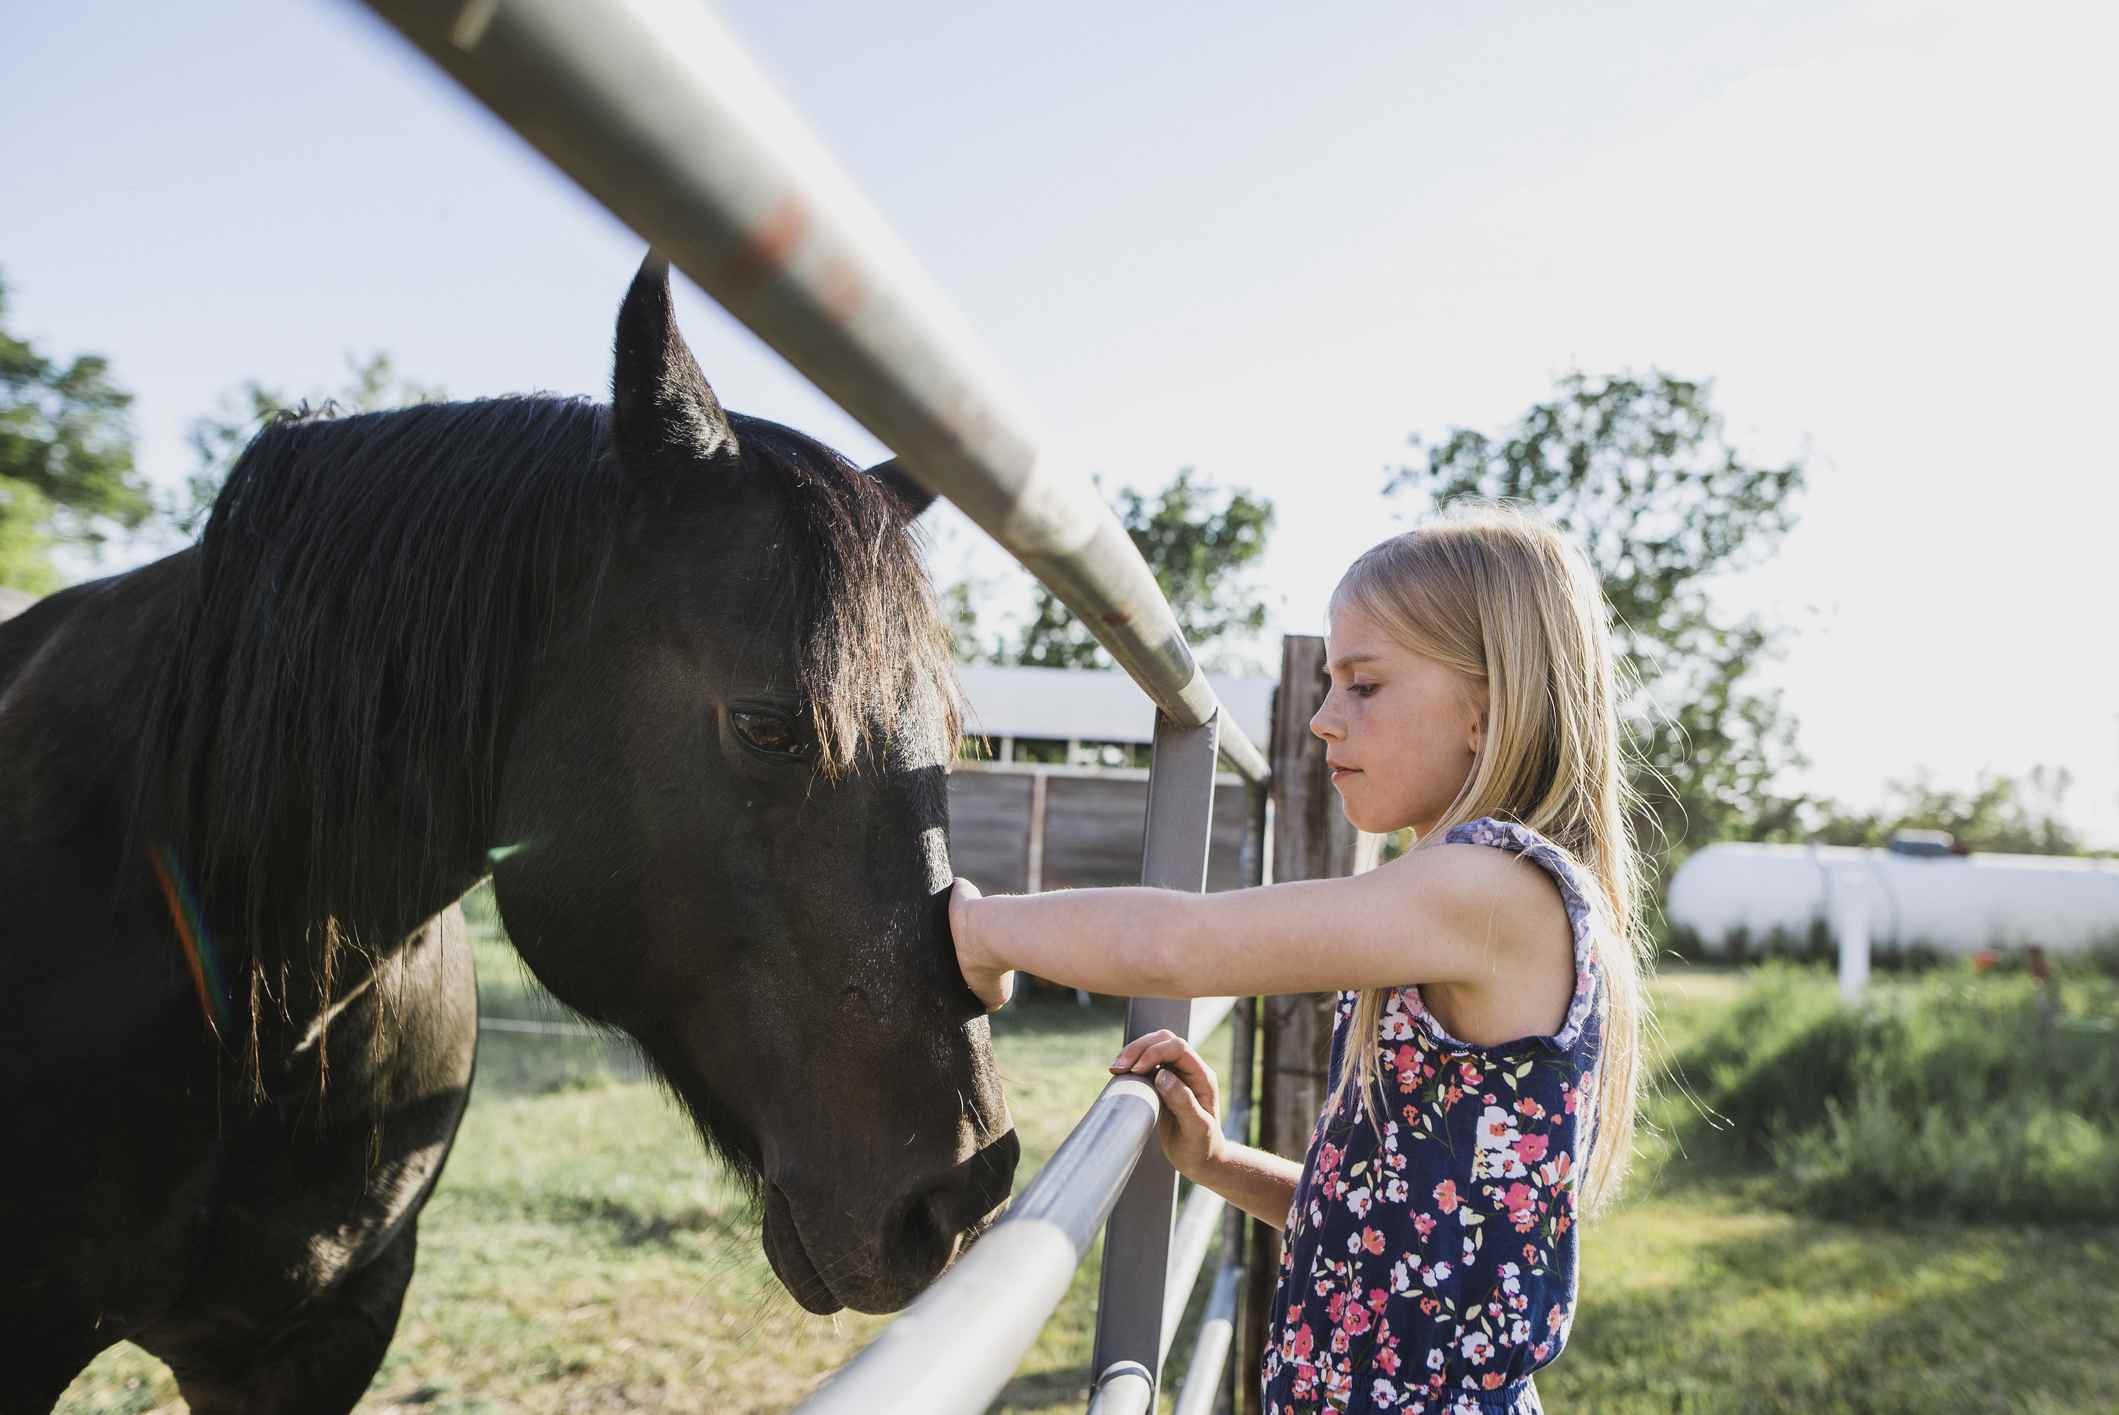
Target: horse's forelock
{"x": 873, "y": 663}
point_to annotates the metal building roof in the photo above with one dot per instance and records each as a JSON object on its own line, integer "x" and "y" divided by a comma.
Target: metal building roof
{"x": 1088, "y": 705}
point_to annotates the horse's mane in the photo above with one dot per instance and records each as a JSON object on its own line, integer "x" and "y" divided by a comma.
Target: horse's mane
{"x": 370, "y": 591}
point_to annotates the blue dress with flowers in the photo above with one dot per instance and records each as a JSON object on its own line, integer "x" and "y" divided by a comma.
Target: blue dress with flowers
{"x": 1429, "y": 1259}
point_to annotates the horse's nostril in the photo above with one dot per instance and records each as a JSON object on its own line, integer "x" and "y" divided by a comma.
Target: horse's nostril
{"x": 995, "y": 1172}
{"x": 926, "y": 1233}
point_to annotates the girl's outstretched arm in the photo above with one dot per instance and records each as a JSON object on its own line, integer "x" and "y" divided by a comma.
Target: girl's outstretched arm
{"x": 1445, "y": 913}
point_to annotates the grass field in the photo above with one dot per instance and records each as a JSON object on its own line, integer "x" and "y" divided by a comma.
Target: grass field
{"x": 580, "y": 1255}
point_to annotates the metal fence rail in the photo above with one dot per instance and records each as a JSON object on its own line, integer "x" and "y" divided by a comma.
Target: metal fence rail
{"x": 653, "y": 108}
{"x": 957, "y": 1346}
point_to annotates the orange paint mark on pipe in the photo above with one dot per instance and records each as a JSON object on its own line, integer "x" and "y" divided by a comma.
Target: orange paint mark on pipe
{"x": 776, "y": 237}
{"x": 843, "y": 292}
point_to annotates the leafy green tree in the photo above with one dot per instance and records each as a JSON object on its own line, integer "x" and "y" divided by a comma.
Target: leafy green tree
{"x": 1638, "y": 472}
{"x": 973, "y": 638}
{"x": 1202, "y": 541}
{"x": 1999, "y": 813}
{"x": 218, "y": 438}
{"x": 66, "y": 465}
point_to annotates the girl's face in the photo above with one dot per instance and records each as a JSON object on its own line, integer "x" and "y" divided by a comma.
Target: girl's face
{"x": 1400, "y": 730}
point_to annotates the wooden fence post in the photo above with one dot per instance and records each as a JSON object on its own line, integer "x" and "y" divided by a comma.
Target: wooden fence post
{"x": 1311, "y": 840}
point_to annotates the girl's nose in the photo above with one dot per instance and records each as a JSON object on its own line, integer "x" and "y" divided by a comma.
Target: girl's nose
{"x": 1325, "y": 727}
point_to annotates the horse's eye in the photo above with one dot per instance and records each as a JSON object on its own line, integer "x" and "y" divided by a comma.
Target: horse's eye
{"x": 770, "y": 732}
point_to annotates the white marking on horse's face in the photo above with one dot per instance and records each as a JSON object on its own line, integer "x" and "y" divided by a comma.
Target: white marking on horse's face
{"x": 934, "y": 852}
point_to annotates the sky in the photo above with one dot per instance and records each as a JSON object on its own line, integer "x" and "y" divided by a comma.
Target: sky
{"x": 1271, "y": 242}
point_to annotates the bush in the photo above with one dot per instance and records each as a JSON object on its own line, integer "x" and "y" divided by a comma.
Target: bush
{"x": 1951, "y": 1092}
{"x": 1814, "y": 943}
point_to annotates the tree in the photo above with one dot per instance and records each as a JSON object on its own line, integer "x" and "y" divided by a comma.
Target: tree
{"x": 1202, "y": 541}
{"x": 1999, "y": 813}
{"x": 66, "y": 464}
{"x": 218, "y": 438}
{"x": 1638, "y": 472}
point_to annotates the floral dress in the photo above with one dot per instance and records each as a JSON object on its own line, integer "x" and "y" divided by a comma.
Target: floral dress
{"x": 1429, "y": 1259}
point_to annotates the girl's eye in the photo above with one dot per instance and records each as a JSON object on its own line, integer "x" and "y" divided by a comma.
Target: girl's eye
{"x": 1363, "y": 690}
{"x": 772, "y": 732}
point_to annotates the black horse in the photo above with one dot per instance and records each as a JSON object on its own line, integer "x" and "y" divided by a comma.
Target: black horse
{"x": 674, "y": 677}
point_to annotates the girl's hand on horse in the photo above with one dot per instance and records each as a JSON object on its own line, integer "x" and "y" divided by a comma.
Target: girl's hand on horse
{"x": 991, "y": 982}
{"x": 1190, "y": 1127}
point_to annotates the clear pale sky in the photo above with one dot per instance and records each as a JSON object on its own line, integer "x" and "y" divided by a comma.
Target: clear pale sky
{"x": 1268, "y": 241}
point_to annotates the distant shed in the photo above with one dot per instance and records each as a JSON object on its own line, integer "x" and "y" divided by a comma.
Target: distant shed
{"x": 1079, "y": 711}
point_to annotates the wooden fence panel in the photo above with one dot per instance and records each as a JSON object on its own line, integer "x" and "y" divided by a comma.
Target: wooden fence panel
{"x": 989, "y": 830}
{"x": 1093, "y": 831}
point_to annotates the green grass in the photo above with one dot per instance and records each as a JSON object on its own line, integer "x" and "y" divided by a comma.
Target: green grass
{"x": 1714, "y": 1288}
{"x": 1698, "y": 1302}
{"x": 1983, "y": 1097}
{"x": 581, "y": 1255}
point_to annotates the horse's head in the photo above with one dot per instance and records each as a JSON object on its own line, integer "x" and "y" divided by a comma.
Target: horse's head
{"x": 723, "y": 827}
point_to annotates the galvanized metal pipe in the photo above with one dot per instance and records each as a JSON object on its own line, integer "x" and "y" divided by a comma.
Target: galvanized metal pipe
{"x": 1194, "y": 1231}
{"x": 1189, "y": 1241}
{"x": 1210, "y": 1354}
{"x": 955, "y": 1347}
{"x": 1123, "y": 1388}
{"x": 655, "y": 109}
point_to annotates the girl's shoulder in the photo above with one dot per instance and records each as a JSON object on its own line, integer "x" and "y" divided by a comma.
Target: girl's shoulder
{"x": 1522, "y": 901}
{"x": 1524, "y": 843}
{"x": 1475, "y": 873}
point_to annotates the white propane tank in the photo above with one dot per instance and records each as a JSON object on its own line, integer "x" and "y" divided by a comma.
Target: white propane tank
{"x": 1918, "y": 893}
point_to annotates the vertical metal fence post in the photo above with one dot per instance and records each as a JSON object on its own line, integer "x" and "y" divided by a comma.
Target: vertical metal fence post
{"x": 1243, "y": 1064}
{"x": 1129, "y": 1309}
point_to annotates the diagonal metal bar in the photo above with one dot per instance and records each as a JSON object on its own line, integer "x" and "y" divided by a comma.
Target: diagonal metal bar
{"x": 1190, "y": 1238}
{"x": 1210, "y": 1353}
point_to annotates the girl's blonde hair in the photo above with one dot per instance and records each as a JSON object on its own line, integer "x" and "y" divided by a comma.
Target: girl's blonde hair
{"x": 1498, "y": 595}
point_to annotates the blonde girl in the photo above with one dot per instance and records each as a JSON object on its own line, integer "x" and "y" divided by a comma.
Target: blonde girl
{"x": 1485, "y": 1052}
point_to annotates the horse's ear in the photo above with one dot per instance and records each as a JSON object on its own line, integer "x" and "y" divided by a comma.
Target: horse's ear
{"x": 910, "y": 497}
{"x": 660, "y": 402}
